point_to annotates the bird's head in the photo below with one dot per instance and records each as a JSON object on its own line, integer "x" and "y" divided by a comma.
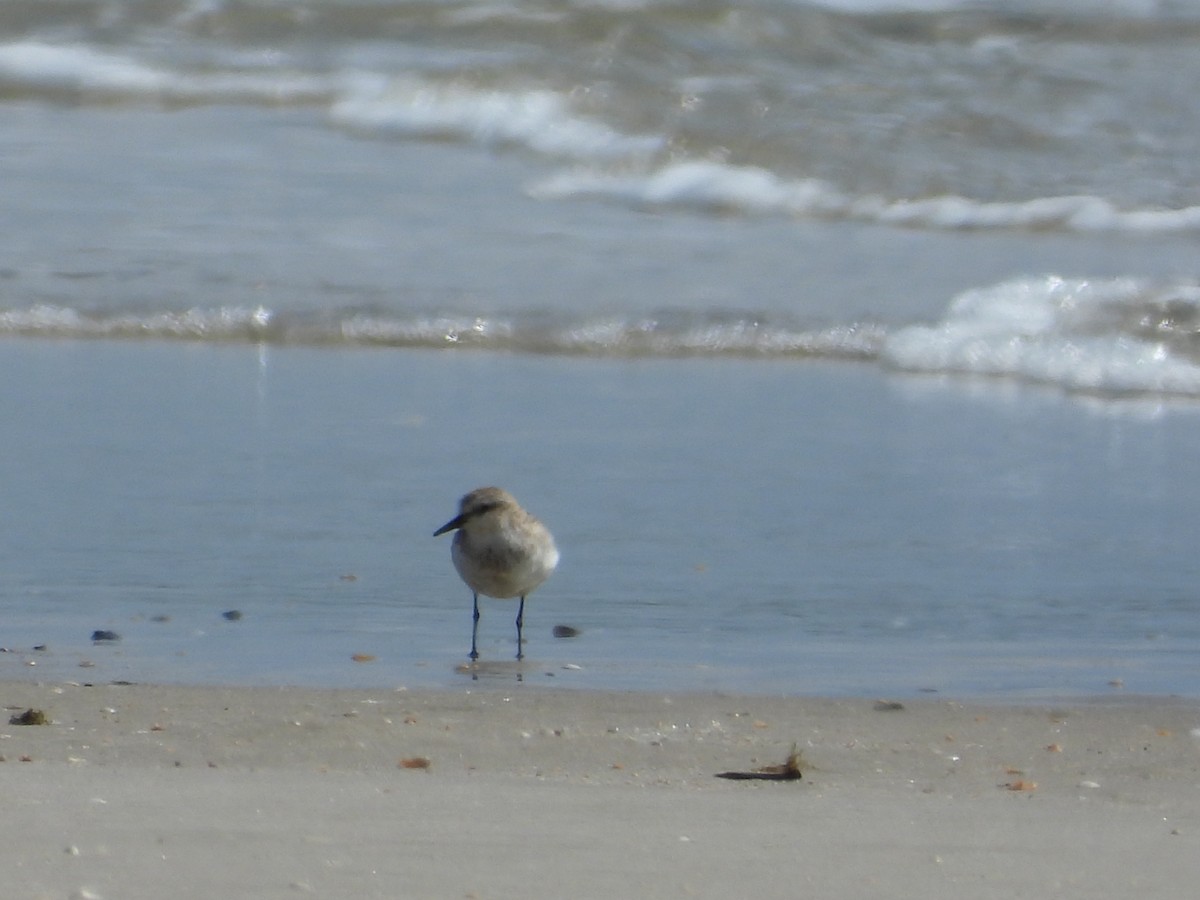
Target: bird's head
{"x": 473, "y": 506}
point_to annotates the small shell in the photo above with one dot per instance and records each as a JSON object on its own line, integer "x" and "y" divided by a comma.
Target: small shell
{"x": 1022, "y": 785}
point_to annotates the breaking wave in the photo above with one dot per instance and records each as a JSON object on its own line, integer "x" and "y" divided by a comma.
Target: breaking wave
{"x": 1107, "y": 336}
{"x": 721, "y": 188}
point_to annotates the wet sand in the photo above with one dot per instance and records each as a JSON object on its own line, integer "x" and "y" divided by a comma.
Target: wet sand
{"x": 130, "y": 790}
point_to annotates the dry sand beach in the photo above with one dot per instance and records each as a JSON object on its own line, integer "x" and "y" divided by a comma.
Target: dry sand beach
{"x": 134, "y": 791}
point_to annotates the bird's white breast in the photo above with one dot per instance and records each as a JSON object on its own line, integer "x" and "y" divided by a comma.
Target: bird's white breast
{"x": 499, "y": 560}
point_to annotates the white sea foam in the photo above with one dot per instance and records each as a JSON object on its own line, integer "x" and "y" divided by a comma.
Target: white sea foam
{"x": 1115, "y": 336}
{"x": 699, "y": 184}
{"x": 80, "y": 69}
{"x": 742, "y": 338}
{"x": 540, "y": 120}
{"x": 221, "y": 323}
{"x": 671, "y": 334}
{"x": 424, "y": 331}
{"x": 718, "y": 187}
{"x": 76, "y": 68}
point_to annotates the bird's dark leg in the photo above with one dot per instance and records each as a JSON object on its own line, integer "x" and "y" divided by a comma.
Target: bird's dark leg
{"x": 520, "y": 622}
{"x": 475, "y": 627}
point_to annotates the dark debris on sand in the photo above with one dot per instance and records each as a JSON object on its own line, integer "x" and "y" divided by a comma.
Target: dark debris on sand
{"x": 789, "y": 770}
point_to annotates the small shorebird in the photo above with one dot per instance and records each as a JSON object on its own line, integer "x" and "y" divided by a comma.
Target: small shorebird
{"x": 500, "y": 551}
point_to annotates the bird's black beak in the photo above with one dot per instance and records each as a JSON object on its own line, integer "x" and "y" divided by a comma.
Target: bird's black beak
{"x": 456, "y": 522}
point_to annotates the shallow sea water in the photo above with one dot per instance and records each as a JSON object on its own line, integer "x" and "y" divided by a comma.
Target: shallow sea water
{"x": 794, "y": 527}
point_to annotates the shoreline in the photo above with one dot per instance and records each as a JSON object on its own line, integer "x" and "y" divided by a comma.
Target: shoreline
{"x": 535, "y": 792}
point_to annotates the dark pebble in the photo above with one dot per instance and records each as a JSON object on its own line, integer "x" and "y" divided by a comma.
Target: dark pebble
{"x": 565, "y": 631}
{"x": 98, "y": 636}
{"x": 232, "y": 615}
{"x": 29, "y": 717}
